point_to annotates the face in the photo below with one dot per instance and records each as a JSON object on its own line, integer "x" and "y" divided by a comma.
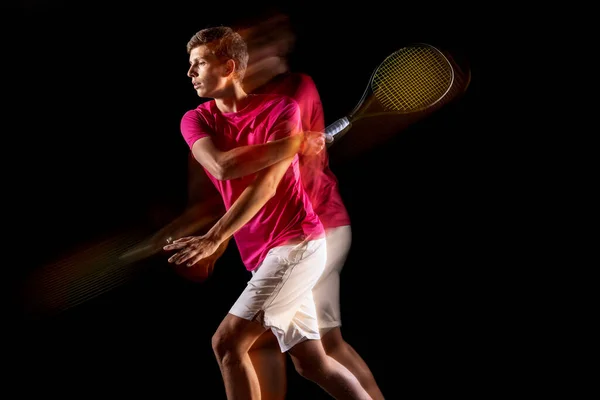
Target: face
{"x": 209, "y": 75}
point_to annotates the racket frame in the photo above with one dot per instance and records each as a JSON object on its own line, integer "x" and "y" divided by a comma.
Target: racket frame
{"x": 338, "y": 128}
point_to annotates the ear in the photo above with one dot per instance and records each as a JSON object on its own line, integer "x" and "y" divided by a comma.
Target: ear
{"x": 229, "y": 67}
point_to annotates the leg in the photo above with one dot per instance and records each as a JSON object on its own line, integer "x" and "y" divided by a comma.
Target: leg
{"x": 270, "y": 366}
{"x": 231, "y": 343}
{"x": 283, "y": 285}
{"x": 327, "y": 299}
{"x": 276, "y": 290}
{"x": 337, "y": 348}
{"x": 313, "y": 363}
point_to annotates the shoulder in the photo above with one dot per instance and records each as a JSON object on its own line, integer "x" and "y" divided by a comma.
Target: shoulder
{"x": 292, "y": 77}
{"x": 303, "y": 79}
{"x": 299, "y": 81}
{"x": 291, "y": 83}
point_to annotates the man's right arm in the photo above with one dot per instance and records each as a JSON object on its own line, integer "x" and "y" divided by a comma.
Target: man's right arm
{"x": 246, "y": 160}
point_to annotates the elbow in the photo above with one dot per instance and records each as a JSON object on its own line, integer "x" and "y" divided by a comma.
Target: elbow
{"x": 268, "y": 194}
{"x": 271, "y": 193}
{"x": 230, "y": 168}
{"x": 219, "y": 174}
{"x": 225, "y": 173}
{"x": 215, "y": 166}
{"x": 270, "y": 189}
{"x": 223, "y": 170}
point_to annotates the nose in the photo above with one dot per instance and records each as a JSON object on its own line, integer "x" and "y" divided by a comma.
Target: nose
{"x": 191, "y": 73}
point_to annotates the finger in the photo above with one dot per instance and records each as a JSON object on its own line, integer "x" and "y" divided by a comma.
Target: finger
{"x": 174, "y": 258}
{"x": 188, "y": 255}
{"x": 174, "y": 246}
{"x": 179, "y": 259}
{"x": 194, "y": 260}
{"x": 183, "y": 239}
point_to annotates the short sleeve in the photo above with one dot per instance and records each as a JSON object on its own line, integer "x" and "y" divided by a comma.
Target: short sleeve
{"x": 193, "y": 127}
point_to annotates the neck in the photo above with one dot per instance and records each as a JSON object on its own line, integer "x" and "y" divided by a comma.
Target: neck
{"x": 233, "y": 101}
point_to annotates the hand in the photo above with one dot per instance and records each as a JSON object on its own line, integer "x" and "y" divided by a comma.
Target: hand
{"x": 203, "y": 269}
{"x": 192, "y": 249}
{"x": 313, "y": 143}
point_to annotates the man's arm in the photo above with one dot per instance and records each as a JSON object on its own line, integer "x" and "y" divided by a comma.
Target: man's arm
{"x": 253, "y": 198}
{"x": 246, "y": 160}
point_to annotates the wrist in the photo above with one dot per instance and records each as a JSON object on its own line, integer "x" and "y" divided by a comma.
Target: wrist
{"x": 301, "y": 146}
{"x": 215, "y": 234}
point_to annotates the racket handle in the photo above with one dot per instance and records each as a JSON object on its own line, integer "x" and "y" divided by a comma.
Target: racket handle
{"x": 336, "y": 128}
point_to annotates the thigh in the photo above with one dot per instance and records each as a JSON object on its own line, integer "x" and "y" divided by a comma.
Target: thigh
{"x": 327, "y": 290}
{"x": 280, "y": 284}
{"x": 270, "y": 366}
{"x": 238, "y": 333}
{"x": 266, "y": 341}
{"x": 339, "y": 240}
{"x": 308, "y": 354}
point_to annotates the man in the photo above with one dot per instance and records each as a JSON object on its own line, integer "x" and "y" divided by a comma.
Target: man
{"x": 279, "y": 236}
{"x": 269, "y": 72}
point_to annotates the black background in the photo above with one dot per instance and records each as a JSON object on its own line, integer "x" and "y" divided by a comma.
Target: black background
{"x": 95, "y": 96}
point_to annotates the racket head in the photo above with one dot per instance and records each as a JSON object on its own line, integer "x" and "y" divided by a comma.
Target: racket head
{"x": 411, "y": 79}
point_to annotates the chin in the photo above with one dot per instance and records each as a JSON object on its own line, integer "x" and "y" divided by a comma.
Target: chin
{"x": 204, "y": 94}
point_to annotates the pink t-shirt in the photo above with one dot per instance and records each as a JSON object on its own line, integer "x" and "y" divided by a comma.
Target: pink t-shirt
{"x": 289, "y": 214}
{"x": 319, "y": 181}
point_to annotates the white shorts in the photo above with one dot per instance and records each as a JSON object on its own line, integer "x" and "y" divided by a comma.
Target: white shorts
{"x": 327, "y": 290}
{"x": 279, "y": 294}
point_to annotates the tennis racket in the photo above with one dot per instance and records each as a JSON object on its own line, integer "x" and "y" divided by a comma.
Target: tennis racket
{"x": 196, "y": 220}
{"x": 101, "y": 265}
{"x": 410, "y": 80}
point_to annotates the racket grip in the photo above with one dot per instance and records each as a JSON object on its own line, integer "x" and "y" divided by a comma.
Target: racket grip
{"x": 337, "y": 127}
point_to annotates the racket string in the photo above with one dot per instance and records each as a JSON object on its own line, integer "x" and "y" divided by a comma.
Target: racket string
{"x": 412, "y": 78}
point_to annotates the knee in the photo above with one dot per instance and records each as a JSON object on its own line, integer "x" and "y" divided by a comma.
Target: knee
{"x": 310, "y": 368}
{"x": 223, "y": 346}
